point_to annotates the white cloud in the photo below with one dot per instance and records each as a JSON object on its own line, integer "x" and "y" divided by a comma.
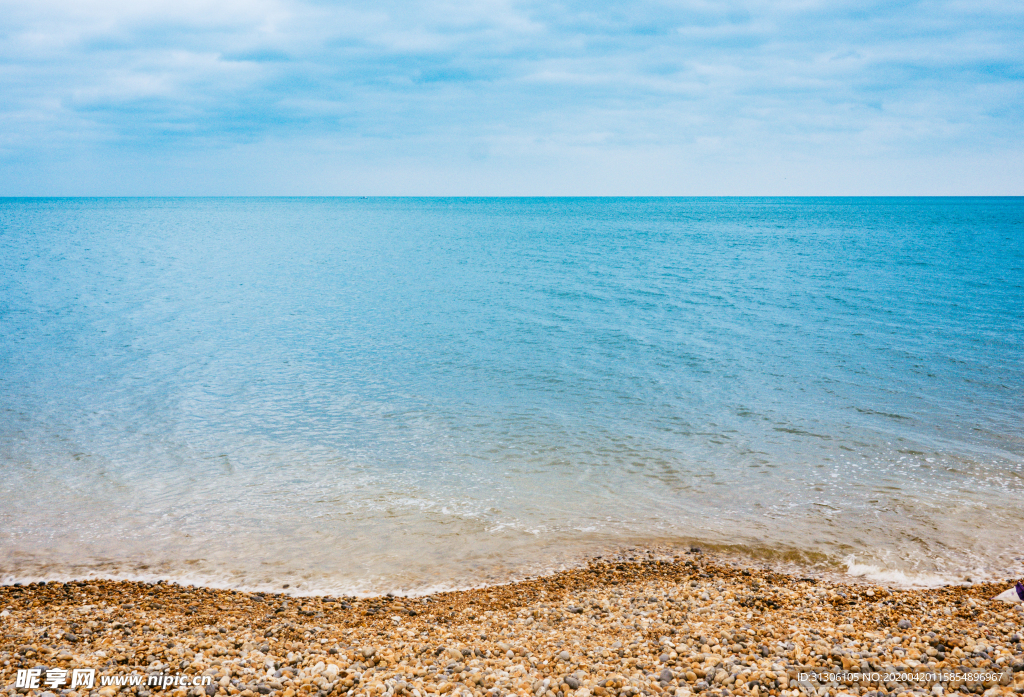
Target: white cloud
{"x": 520, "y": 87}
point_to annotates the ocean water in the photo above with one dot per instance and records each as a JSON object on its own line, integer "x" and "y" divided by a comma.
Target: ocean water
{"x": 367, "y": 395}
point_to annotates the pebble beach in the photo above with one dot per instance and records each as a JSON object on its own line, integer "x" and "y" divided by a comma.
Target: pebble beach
{"x": 642, "y": 624}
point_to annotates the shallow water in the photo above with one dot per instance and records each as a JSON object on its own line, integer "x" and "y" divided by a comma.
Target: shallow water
{"x": 359, "y": 395}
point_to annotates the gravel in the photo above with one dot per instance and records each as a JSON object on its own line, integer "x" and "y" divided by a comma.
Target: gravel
{"x": 660, "y": 627}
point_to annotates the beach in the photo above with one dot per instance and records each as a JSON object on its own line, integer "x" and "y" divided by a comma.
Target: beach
{"x": 643, "y": 624}
{"x": 231, "y": 427}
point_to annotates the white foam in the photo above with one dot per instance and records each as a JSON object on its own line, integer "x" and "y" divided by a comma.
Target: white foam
{"x": 296, "y": 588}
{"x": 897, "y": 577}
{"x": 297, "y": 585}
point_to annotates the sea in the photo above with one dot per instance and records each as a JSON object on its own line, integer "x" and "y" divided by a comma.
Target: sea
{"x": 370, "y": 395}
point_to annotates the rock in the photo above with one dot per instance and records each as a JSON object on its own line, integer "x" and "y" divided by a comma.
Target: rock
{"x": 665, "y": 675}
{"x": 572, "y": 682}
{"x": 903, "y": 624}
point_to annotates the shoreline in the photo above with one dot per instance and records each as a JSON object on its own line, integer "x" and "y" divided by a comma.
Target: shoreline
{"x": 785, "y": 561}
{"x": 688, "y": 624}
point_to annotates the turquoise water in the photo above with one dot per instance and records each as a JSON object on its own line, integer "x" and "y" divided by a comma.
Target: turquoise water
{"x": 403, "y": 394}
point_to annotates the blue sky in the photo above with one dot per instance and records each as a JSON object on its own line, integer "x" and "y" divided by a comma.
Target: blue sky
{"x": 497, "y": 97}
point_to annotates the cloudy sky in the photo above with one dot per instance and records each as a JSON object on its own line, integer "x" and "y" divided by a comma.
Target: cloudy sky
{"x": 509, "y": 97}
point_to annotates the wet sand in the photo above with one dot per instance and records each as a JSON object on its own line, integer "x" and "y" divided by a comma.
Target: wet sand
{"x": 656, "y": 625}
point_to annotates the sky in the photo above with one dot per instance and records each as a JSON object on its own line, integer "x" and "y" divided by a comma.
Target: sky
{"x": 505, "y": 97}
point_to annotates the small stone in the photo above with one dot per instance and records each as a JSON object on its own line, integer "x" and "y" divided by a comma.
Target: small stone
{"x": 745, "y": 640}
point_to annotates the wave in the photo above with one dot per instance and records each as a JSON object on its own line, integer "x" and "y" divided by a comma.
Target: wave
{"x": 901, "y": 578}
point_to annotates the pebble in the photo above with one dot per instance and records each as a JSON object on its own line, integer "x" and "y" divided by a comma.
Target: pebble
{"x": 646, "y": 625}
